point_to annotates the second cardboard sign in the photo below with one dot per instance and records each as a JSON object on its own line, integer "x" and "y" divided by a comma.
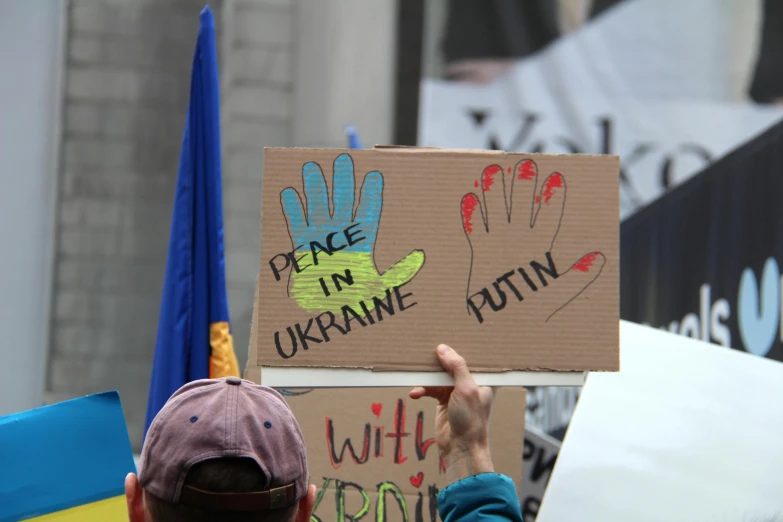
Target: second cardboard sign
{"x": 373, "y": 452}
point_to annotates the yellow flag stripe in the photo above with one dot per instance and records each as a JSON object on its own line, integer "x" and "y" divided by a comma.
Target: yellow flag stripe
{"x": 111, "y": 509}
{"x": 223, "y": 360}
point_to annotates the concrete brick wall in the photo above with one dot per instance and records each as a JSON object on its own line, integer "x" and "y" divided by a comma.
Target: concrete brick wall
{"x": 127, "y": 82}
{"x": 258, "y": 54}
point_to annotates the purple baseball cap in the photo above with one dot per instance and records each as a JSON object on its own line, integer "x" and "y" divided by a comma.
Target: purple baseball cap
{"x": 230, "y": 417}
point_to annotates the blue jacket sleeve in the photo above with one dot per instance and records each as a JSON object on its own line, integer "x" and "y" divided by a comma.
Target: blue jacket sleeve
{"x": 487, "y": 497}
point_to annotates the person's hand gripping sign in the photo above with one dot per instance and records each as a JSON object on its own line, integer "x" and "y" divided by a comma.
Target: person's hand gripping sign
{"x": 520, "y": 221}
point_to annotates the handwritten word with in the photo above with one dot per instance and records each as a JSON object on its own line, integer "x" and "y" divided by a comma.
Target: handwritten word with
{"x": 373, "y": 437}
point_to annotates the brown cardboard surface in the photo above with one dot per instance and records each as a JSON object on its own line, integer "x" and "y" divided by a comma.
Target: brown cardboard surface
{"x": 403, "y": 462}
{"x": 426, "y": 267}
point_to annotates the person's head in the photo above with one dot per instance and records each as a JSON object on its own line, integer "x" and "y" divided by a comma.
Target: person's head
{"x": 223, "y": 450}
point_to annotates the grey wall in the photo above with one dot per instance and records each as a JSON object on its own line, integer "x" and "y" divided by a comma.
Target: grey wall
{"x": 259, "y": 42}
{"x": 126, "y": 94}
{"x": 29, "y": 104}
{"x": 127, "y": 88}
{"x": 293, "y": 72}
{"x": 345, "y": 71}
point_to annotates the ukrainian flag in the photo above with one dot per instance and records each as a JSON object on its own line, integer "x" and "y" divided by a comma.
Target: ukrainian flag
{"x": 66, "y": 462}
{"x": 194, "y": 339}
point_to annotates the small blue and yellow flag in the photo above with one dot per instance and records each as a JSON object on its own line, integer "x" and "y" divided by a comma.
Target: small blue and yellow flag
{"x": 194, "y": 339}
{"x": 66, "y": 462}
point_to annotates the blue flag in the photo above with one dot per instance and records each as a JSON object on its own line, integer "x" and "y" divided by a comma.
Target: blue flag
{"x": 353, "y": 137}
{"x": 194, "y": 339}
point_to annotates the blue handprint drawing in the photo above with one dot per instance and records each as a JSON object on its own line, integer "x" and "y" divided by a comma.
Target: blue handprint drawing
{"x": 335, "y": 246}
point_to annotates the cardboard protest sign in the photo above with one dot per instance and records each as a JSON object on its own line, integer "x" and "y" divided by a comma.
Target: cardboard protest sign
{"x": 371, "y": 258}
{"x": 372, "y": 452}
{"x": 66, "y": 462}
{"x": 538, "y": 460}
{"x": 701, "y": 444}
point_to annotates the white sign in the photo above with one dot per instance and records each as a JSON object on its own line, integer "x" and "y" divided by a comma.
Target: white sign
{"x": 673, "y": 436}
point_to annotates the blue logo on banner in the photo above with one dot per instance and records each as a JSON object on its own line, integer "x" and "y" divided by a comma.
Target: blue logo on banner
{"x": 759, "y": 316}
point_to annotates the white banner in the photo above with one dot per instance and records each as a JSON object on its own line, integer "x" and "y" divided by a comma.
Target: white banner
{"x": 650, "y": 81}
{"x": 660, "y": 143}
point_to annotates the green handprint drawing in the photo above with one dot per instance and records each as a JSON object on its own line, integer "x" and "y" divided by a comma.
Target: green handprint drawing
{"x": 335, "y": 245}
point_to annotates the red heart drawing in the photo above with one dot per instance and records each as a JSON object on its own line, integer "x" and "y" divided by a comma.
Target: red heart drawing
{"x": 376, "y": 409}
{"x": 416, "y": 479}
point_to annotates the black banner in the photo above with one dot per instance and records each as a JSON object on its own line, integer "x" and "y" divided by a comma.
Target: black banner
{"x": 705, "y": 260}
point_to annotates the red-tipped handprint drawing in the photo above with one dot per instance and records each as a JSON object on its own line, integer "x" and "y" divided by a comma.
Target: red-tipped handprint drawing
{"x": 511, "y": 229}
